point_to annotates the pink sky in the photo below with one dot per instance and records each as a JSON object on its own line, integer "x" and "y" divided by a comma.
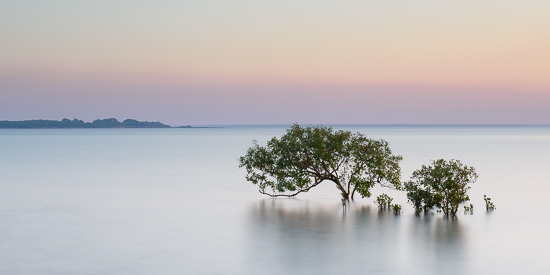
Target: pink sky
{"x": 215, "y": 62}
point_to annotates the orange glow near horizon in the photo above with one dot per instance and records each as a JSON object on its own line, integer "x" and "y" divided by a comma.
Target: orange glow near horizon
{"x": 484, "y": 47}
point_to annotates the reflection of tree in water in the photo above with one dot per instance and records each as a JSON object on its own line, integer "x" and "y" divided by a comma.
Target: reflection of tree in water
{"x": 308, "y": 237}
{"x": 294, "y": 236}
{"x": 440, "y": 243}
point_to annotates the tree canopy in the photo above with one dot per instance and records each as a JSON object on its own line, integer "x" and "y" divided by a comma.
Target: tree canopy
{"x": 442, "y": 184}
{"x": 306, "y": 156}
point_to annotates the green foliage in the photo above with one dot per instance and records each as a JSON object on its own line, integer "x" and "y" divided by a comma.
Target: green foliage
{"x": 396, "y": 209}
{"x": 306, "y": 156}
{"x": 488, "y": 203}
{"x": 443, "y": 184}
{"x": 419, "y": 196}
{"x": 469, "y": 209}
{"x": 383, "y": 201}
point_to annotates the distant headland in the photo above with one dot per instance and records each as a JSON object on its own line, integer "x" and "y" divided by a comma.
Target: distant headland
{"x": 77, "y": 123}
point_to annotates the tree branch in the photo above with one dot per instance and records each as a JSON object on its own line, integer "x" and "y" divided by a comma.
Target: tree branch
{"x": 290, "y": 195}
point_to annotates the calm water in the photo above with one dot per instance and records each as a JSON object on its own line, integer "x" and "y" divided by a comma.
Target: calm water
{"x": 173, "y": 201}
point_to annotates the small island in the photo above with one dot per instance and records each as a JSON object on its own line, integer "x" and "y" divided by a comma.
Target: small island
{"x": 77, "y": 123}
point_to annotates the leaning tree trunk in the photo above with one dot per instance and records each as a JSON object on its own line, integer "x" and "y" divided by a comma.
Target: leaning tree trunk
{"x": 345, "y": 196}
{"x": 345, "y": 193}
{"x": 353, "y": 193}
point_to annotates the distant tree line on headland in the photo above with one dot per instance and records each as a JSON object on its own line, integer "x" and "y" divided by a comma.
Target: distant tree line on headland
{"x": 77, "y": 123}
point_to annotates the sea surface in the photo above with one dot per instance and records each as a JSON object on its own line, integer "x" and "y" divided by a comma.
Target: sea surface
{"x": 174, "y": 201}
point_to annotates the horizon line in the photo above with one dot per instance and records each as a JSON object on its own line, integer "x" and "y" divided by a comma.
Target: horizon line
{"x": 370, "y": 124}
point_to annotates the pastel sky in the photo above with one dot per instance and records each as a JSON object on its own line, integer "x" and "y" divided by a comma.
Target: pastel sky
{"x": 254, "y": 62}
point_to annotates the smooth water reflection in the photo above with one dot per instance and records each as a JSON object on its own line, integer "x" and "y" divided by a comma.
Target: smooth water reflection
{"x": 315, "y": 237}
{"x": 173, "y": 201}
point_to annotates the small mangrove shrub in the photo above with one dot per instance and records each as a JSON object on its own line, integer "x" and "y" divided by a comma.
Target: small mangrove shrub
{"x": 469, "y": 209}
{"x": 488, "y": 203}
{"x": 383, "y": 201}
{"x": 442, "y": 184}
{"x": 396, "y": 209}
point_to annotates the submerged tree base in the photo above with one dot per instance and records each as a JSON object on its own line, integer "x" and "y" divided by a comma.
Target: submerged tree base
{"x": 442, "y": 184}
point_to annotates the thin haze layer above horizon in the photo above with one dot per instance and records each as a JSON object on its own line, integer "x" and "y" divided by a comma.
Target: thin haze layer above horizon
{"x": 258, "y": 62}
